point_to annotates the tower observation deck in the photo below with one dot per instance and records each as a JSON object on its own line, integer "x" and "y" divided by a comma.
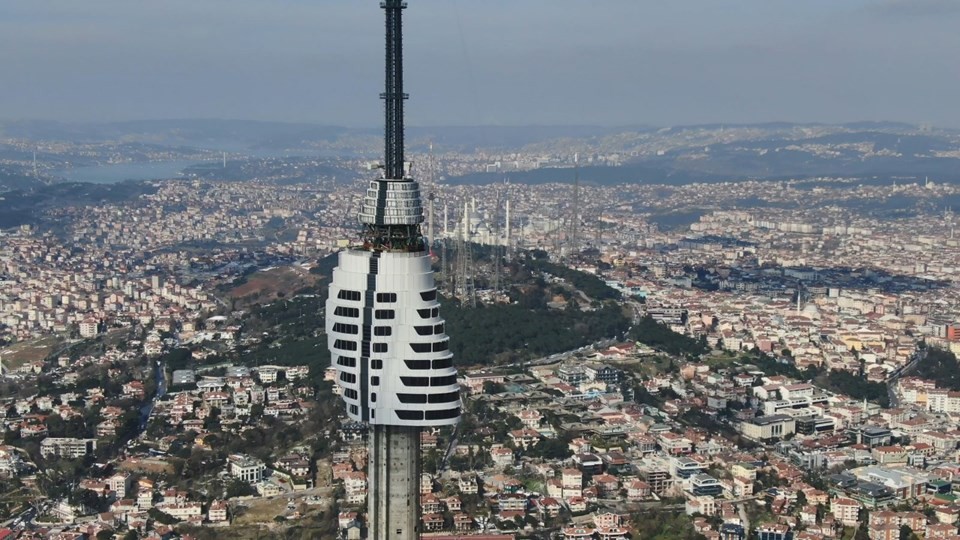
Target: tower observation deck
{"x": 386, "y": 338}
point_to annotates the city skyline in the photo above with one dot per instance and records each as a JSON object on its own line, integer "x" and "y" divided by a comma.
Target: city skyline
{"x": 729, "y": 329}
{"x": 501, "y": 64}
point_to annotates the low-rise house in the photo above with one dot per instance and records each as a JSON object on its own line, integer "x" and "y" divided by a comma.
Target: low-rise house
{"x": 217, "y": 513}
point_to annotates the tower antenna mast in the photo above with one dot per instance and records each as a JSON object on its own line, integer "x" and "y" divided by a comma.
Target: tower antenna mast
{"x": 392, "y": 213}
{"x": 575, "y": 218}
{"x": 394, "y": 96}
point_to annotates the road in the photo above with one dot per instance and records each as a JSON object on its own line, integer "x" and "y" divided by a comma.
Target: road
{"x": 742, "y": 508}
{"x": 919, "y": 355}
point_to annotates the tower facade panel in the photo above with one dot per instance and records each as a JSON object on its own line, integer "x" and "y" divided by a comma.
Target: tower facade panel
{"x": 388, "y": 341}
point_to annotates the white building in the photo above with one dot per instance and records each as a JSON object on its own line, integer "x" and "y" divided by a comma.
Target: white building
{"x": 89, "y": 328}
{"x": 246, "y": 468}
{"x": 67, "y": 447}
{"x": 181, "y": 511}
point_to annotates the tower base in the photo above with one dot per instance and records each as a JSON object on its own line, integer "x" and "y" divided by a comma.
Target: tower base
{"x": 394, "y": 483}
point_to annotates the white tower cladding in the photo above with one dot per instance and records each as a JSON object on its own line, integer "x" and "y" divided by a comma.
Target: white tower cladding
{"x": 388, "y": 342}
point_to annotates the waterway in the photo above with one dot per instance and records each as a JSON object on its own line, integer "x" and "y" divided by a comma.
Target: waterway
{"x": 112, "y": 173}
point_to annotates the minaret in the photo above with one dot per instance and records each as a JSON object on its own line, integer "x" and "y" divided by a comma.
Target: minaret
{"x": 446, "y": 221}
{"x": 507, "y": 240}
{"x": 384, "y": 331}
{"x": 430, "y": 237}
{"x": 575, "y": 217}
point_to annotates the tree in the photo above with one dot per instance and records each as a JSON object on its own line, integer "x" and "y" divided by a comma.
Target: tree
{"x": 906, "y": 533}
{"x": 550, "y": 449}
{"x": 941, "y": 366}
{"x": 856, "y": 387}
{"x": 239, "y": 488}
{"x": 161, "y": 517}
{"x": 490, "y": 387}
{"x": 659, "y": 336}
{"x": 431, "y": 461}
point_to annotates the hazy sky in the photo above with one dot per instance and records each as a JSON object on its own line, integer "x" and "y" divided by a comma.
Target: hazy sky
{"x": 663, "y": 62}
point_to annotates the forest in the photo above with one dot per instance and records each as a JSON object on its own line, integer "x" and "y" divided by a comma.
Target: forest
{"x": 941, "y": 367}
{"x": 855, "y": 386}
{"x": 661, "y": 337}
{"x": 501, "y": 333}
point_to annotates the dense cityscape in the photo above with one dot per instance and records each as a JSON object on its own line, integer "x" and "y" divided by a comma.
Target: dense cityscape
{"x": 266, "y": 330}
{"x": 779, "y": 364}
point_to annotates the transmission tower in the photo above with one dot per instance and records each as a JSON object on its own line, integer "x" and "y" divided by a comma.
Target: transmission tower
{"x": 431, "y": 239}
{"x": 496, "y": 244}
{"x": 557, "y": 233}
{"x": 465, "y": 289}
{"x": 445, "y": 268}
{"x": 600, "y": 229}
{"x": 574, "y": 240}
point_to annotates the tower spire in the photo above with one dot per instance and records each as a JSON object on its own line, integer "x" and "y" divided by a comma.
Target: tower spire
{"x": 393, "y": 94}
{"x": 392, "y": 211}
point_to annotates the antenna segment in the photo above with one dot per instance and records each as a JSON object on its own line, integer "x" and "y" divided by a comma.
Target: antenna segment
{"x": 394, "y": 96}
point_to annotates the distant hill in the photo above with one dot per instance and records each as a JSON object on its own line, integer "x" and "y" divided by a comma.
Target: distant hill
{"x": 25, "y": 207}
{"x": 667, "y": 155}
{"x": 246, "y": 134}
{"x": 874, "y": 152}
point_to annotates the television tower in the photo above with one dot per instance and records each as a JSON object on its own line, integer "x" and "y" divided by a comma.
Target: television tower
{"x": 574, "y": 242}
{"x": 384, "y": 331}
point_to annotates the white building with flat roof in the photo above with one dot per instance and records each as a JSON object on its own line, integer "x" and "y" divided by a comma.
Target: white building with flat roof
{"x": 246, "y": 468}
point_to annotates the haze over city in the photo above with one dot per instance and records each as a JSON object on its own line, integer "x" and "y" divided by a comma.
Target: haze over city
{"x": 616, "y": 62}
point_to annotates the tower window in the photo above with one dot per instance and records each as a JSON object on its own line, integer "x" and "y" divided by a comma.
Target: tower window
{"x": 344, "y": 345}
{"x": 444, "y": 398}
{"x": 385, "y": 314}
{"x": 349, "y": 295}
{"x": 374, "y": 381}
{"x": 348, "y": 378}
{"x": 443, "y": 363}
{"x": 424, "y": 313}
{"x": 443, "y": 381}
{"x": 415, "y": 381}
{"x": 351, "y": 312}
{"x": 417, "y": 364}
{"x": 424, "y": 330}
{"x": 429, "y": 296}
{"x": 386, "y": 297}
{"x": 346, "y": 361}
{"x": 345, "y": 328}
{"x": 442, "y": 415}
{"x": 382, "y": 330}
{"x": 379, "y": 347}
{"x": 441, "y": 345}
{"x": 376, "y": 364}
{"x": 421, "y": 347}
{"x": 438, "y": 329}
{"x": 350, "y": 393}
{"x": 412, "y": 398}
